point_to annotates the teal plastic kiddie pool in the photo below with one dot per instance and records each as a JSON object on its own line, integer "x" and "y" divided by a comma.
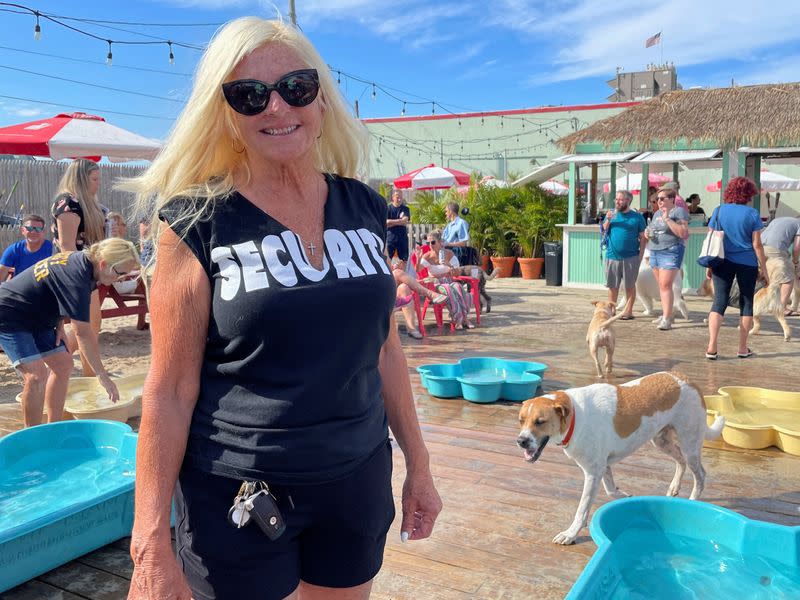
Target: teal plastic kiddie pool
{"x": 671, "y": 548}
{"x": 483, "y": 379}
{"x": 65, "y": 489}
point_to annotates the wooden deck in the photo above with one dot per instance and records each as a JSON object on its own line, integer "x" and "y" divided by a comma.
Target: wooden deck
{"x": 492, "y": 539}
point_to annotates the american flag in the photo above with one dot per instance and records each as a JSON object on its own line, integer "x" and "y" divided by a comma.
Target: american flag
{"x": 652, "y": 41}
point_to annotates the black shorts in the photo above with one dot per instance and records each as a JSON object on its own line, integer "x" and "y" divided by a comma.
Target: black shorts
{"x": 399, "y": 244}
{"x": 335, "y": 534}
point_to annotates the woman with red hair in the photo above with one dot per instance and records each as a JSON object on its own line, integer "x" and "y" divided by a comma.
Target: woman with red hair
{"x": 744, "y": 254}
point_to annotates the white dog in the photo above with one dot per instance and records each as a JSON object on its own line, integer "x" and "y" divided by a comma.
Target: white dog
{"x": 647, "y": 291}
{"x": 601, "y": 424}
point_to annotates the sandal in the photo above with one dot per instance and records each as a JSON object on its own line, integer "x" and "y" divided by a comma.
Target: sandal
{"x": 747, "y": 354}
{"x": 627, "y": 318}
{"x": 790, "y": 313}
{"x": 437, "y": 298}
{"x": 711, "y": 355}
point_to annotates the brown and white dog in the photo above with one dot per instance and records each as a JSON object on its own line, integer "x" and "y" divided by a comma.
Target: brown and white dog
{"x": 600, "y": 424}
{"x": 601, "y": 335}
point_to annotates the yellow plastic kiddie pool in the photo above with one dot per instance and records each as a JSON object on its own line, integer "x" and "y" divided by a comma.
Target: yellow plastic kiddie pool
{"x": 757, "y": 417}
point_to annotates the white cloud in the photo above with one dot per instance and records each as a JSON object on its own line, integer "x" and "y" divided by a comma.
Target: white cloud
{"x": 27, "y": 112}
{"x": 595, "y": 37}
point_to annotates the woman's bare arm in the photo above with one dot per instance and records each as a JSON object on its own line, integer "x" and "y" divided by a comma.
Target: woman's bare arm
{"x": 67, "y": 226}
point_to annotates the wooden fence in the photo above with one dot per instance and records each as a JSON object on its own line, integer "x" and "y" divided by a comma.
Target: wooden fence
{"x": 37, "y": 181}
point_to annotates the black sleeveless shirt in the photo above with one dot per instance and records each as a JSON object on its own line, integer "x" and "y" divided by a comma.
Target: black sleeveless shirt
{"x": 290, "y": 388}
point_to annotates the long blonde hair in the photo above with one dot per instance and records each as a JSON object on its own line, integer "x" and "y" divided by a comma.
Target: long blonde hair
{"x": 199, "y": 158}
{"x": 75, "y": 182}
{"x": 115, "y": 251}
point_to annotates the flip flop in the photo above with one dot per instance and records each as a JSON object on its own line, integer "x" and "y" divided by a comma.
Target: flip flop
{"x": 747, "y": 354}
{"x": 790, "y": 313}
{"x": 627, "y": 318}
{"x": 711, "y": 355}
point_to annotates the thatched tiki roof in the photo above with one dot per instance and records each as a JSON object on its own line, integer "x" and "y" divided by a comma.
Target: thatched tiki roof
{"x": 756, "y": 115}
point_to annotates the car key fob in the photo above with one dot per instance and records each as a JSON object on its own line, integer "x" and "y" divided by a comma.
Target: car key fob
{"x": 265, "y": 512}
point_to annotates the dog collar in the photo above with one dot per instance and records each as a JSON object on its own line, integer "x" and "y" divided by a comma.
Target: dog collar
{"x": 570, "y": 429}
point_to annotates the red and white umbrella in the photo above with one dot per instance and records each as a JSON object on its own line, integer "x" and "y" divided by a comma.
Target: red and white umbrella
{"x": 633, "y": 182}
{"x": 431, "y": 178}
{"x": 770, "y": 182}
{"x": 554, "y": 187}
{"x": 76, "y": 135}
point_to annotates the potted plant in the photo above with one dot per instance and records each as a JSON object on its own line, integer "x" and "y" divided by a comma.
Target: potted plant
{"x": 502, "y": 206}
{"x": 536, "y": 223}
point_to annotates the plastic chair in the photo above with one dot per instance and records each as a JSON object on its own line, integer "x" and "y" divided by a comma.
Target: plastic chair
{"x": 438, "y": 309}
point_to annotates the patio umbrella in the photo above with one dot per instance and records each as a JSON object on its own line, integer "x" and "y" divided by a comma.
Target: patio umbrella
{"x": 431, "y": 178}
{"x": 633, "y": 182}
{"x": 770, "y": 182}
{"x": 554, "y": 187}
{"x": 76, "y": 135}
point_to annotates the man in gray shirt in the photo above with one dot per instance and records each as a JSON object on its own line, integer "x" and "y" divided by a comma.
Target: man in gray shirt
{"x": 781, "y": 234}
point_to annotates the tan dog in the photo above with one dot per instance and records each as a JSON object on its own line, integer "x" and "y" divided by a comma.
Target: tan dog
{"x": 601, "y": 335}
{"x": 600, "y": 424}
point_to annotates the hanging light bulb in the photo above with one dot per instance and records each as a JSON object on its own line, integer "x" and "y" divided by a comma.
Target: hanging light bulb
{"x": 109, "y": 57}
{"x": 171, "y": 55}
{"x": 339, "y": 77}
{"x": 481, "y": 120}
{"x": 37, "y": 30}
{"x": 433, "y": 108}
{"x": 403, "y": 110}
{"x": 501, "y": 121}
{"x": 374, "y": 95}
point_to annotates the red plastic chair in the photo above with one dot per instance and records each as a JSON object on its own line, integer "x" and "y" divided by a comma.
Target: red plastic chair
{"x": 438, "y": 309}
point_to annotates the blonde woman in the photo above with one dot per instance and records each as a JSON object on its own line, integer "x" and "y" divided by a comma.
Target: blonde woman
{"x": 275, "y": 358}
{"x": 32, "y": 306}
{"x": 79, "y": 220}
{"x": 440, "y": 263}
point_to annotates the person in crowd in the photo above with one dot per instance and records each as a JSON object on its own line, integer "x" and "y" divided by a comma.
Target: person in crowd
{"x": 440, "y": 262}
{"x": 32, "y": 306}
{"x": 652, "y": 204}
{"x": 744, "y": 254}
{"x": 665, "y": 241}
{"x": 275, "y": 357}
{"x": 694, "y": 205}
{"x": 78, "y": 221}
{"x": 116, "y": 225}
{"x": 406, "y": 285}
{"x": 624, "y": 230}
{"x": 781, "y": 241}
{"x": 455, "y": 235}
{"x": 397, "y": 227}
{"x": 679, "y": 201}
{"x": 32, "y": 248}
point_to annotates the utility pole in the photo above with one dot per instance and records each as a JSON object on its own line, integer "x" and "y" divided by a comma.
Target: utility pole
{"x": 292, "y": 13}
{"x": 441, "y": 149}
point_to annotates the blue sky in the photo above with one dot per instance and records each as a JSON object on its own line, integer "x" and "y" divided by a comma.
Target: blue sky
{"x": 466, "y": 55}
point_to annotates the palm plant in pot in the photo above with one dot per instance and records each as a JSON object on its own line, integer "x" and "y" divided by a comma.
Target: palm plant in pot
{"x": 502, "y": 206}
{"x": 536, "y": 223}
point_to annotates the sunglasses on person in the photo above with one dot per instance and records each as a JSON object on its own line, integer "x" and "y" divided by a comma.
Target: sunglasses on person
{"x": 36, "y": 228}
{"x": 665, "y": 198}
{"x": 431, "y": 242}
{"x": 118, "y": 273}
{"x": 250, "y": 97}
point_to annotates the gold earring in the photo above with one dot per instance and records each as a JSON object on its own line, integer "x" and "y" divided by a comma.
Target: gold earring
{"x": 233, "y": 145}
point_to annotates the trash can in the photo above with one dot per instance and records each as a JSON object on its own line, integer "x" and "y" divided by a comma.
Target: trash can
{"x": 553, "y": 261}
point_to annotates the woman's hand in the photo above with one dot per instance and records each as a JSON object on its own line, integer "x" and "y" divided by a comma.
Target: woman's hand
{"x": 156, "y": 575}
{"x": 61, "y": 335}
{"x": 109, "y": 386}
{"x": 421, "y": 505}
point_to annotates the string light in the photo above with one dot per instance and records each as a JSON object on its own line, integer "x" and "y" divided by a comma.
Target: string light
{"x": 37, "y": 30}
{"x": 339, "y": 77}
{"x": 433, "y": 108}
{"x": 109, "y": 57}
{"x": 171, "y": 55}
{"x": 374, "y": 95}
{"x": 403, "y": 110}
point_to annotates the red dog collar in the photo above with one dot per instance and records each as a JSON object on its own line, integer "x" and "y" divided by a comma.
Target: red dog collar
{"x": 571, "y": 428}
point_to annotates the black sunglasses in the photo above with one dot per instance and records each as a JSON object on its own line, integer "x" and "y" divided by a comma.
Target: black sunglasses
{"x": 114, "y": 268}
{"x": 37, "y": 228}
{"x": 431, "y": 242}
{"x": 250, "y": 96}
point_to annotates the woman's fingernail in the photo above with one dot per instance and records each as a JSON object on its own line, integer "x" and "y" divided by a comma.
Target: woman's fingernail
{"x": 404, "y": 536}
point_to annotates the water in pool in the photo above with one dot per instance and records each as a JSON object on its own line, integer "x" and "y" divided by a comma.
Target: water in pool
{"x": 46, "y": 480}
{"x": 486, "y": 375}
{"x": 680, "y": 568}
